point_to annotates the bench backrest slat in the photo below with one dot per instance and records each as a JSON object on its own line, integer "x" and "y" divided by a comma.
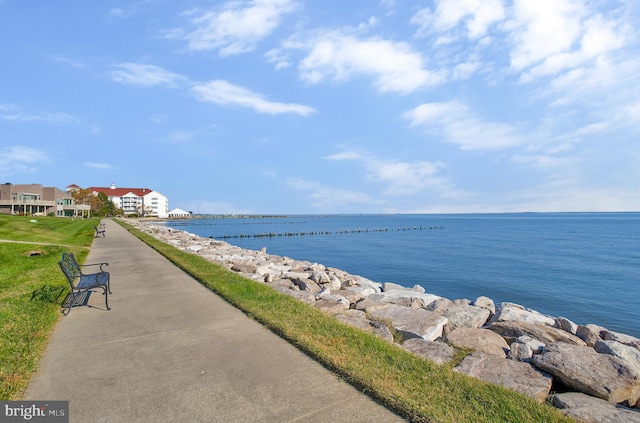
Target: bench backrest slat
{"x": 70, "y": 267}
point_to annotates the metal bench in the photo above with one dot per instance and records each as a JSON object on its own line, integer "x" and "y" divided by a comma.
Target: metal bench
{"x": 81, "y": 283}
{"x": 99, "y": 230}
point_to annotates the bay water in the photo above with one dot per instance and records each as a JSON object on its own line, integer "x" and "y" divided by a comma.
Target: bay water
{"x": 582, "y": 266}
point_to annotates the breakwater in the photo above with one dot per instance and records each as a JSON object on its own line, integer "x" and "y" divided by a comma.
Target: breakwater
{"x": 581, "y": 265}
{"x": 513, "y": 345}
{"x": 326, "y": 232}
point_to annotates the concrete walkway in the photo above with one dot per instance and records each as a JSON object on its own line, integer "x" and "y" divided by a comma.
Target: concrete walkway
{"x": 170, "y": 350}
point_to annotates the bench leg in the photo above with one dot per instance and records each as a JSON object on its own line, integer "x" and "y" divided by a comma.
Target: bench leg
{"x": 106, "y": 297}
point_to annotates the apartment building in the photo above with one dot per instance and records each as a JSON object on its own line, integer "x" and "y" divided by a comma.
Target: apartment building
{"x": 36, "y": 200}
{"x": 139, "y": 201}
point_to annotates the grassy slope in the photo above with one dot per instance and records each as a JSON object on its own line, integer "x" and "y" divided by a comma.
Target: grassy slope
{"x": 32, "y": 288}
{"x": 416, "y": 388}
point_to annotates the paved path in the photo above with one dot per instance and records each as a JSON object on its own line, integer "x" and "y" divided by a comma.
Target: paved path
{"x": 170, "y": 350}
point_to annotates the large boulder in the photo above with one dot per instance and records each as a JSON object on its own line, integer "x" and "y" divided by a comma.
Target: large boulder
{"x": 438, "y": 352}
{"x": 486, "y": 303}
{"x": 411, "y": 322}
{"x": 585, "y": 370}
{"x": 566, "y": 325}
{"x": 405, "y": 296}
{"x": 466, "y": 316}
{"x": 479, "y": 340}
{"x": 303, "y": 296}
{"x": 622, "y": 338}
{"x": 586, "y": 408}
{"x": 332, "y": 304}
{"x": 369, "y": 306}
{"x": 307, "y": 285}
{"x": 439, "y": 306}
{"x": 588, "y": 334}
{"x": 367, "y": 325}
{"x": 626, "y": 353}
{"x": 523, "y": 348}
{"x": 509, "y": 312}
{"x": 515, "y": 375}
{"x": 544, "y": 333}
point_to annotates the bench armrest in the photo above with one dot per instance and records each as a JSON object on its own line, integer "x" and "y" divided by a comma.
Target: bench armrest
{"x": 96, "y": 264}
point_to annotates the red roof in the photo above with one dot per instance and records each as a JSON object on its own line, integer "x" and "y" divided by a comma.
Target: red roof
{"x": 119, "y": 192}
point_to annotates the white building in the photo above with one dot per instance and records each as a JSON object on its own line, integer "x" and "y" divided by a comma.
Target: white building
{"x": 138, "y": 201}
{"x": 179, "y": 214}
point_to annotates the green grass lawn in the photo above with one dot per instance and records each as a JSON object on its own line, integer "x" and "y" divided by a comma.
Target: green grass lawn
{"x": 416, "y": 388}
{"x": 32, "y": 287}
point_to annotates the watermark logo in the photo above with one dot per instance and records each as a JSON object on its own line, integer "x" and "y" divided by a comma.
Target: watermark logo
{"x": 34, "y": 411}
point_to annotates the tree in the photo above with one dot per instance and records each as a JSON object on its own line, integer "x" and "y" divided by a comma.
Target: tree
{"x": 106, "y": 207}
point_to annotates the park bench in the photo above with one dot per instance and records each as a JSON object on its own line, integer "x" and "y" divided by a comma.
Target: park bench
{"x": 81, "y": 283}
{"x": 100, "y": 230}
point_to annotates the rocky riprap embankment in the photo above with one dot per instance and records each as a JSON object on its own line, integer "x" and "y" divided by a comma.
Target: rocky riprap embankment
{"x": 596, "y": 370}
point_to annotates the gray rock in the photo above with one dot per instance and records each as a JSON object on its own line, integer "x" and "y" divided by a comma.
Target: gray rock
{"x": 307, "y": 285}
{"x": 352, "y": 312}
{"x": 520, "y": 352}
{"x": 352, "y": 295}
{"x": 510, "y": 374}
{"x": 590, "y": 409}
{"x": 405, "y": 295}
{"x": 533, "y": 343}
{"x": 410, "y": 322}
{"x": 621, "y": 338}
{"x": 315, "y": 267}
{"x": 332, "y": 304}
{"x": 244, "y": 267}
{"x": 626, "y": 353}
{"x": 367, "y": 325}
{"x": 583, "y": 369}
{"x": 478, "y": 339}
{"x": 588, "y": 334}
{"x": 509, "y": 312}
{"x": 369, "y": 306}
{"x": 466, "y": 316}
{"x": 486, "y": 303}
{"x": 546, "y": 334}
{"x": 566, "y": 325}
{"x": 388, "y": 286}
{"x": 319, "y": 277}
{"x": 439, "y": 306}
{"x": 303, "y": 296}
{"x": 438, "y": 352}
{"x": 335, "y": 284}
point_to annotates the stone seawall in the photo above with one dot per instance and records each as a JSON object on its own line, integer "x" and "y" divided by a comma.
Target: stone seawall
{"x": 587, "y": 371}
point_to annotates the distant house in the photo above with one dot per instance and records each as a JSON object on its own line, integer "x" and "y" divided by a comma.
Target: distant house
{"x": 138, "y": 201}
{"x": 179, "y": 214}
{"x": 36, "y": 200}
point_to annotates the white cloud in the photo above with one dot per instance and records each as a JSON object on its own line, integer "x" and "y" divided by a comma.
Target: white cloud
{"x": 553, "y": 36}
{"x": 95, "y": 165}
{"x": 16, "y": 114}
{"x": 223, "y": 92}
{"x": 325, "y": 198}
{"x": 476, "y": 15}
{"x": 62, "y": 59}
{"x": 19, "y": 159}
{"x": 145, "y": 75}
{"x": 340, "y": 55}
{"x": 457, "y": 124}
{"x": 400, "y": 178}
{"x": 237, "y": 28}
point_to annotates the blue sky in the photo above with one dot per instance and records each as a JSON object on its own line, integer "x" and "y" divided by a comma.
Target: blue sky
{"x": 359, "y": 106}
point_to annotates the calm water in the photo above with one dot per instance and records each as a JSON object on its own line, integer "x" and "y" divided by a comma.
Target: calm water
{"x": 583, "y": 266}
